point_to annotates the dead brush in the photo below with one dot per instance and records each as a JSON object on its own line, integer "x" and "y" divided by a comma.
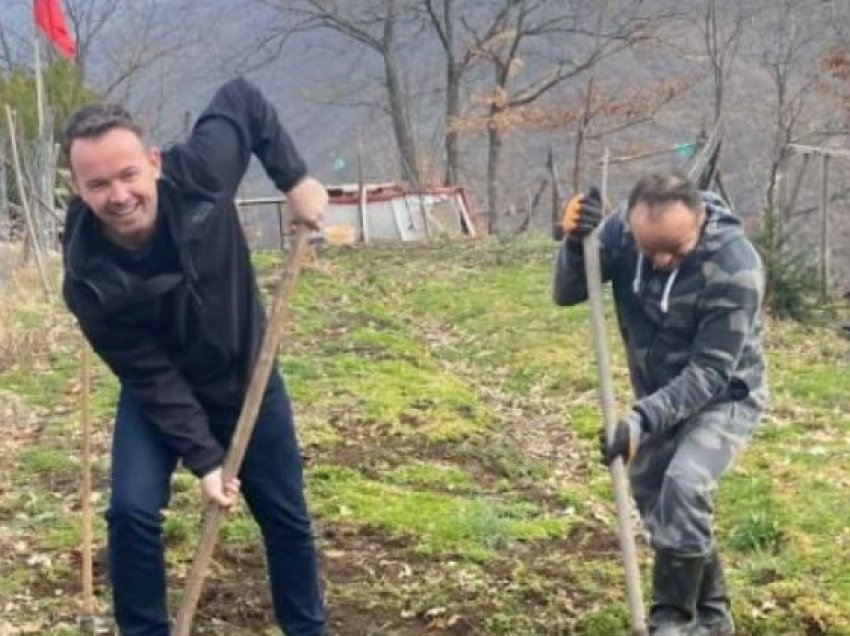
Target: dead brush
{"x": 31, "y": 328}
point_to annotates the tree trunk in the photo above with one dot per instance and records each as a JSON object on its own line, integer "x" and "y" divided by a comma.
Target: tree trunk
{"x": 452, "y": 113}
{"x": 556, "y": 192}
{"x": 578, "y": 158}
{"x": 494, "y": 156}
{"x": 398, "y": 112}
{"x": 401, "y": 125}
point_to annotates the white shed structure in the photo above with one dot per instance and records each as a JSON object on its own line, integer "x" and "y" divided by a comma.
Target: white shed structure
{"x": 367, "y": 213}
{"x": 387, "y": 212}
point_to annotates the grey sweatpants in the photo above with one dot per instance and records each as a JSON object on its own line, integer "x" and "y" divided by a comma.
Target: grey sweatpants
{"x": 674, "y": 476}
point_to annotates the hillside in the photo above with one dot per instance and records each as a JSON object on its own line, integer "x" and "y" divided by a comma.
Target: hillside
{"x": 448, "y": 418}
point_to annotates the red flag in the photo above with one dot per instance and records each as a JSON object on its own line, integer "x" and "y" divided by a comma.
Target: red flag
{"x": 48, "y": 17}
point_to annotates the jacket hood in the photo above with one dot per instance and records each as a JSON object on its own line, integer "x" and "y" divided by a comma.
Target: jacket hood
{"x": 721, "y": 226}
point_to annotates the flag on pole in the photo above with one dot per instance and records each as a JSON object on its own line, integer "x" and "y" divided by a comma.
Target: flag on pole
{"x": 48, "y": 17}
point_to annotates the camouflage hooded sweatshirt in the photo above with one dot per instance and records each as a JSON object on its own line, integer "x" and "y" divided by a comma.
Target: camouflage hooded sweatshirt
{"x": 692, "y": 335}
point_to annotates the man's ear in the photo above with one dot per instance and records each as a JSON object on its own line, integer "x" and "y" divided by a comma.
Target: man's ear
{"x": 72, "y": 183}
{"x": 155, "y": 157}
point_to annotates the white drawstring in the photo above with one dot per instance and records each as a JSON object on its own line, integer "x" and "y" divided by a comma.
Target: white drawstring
{"x": 665, "y": 298}
{"x": 638, "y": 269}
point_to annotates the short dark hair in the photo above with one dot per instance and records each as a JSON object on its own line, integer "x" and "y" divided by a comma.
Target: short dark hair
{"x": 94, "y": 120}
{"x": 658, "y": 189}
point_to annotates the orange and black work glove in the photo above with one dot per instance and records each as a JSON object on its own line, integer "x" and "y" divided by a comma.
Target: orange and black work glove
{"x": 627, "y": 437}
{"x": 582, "y": 214}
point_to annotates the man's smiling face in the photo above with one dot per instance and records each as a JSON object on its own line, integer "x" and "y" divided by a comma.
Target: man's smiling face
{"x": 116, "y": 175}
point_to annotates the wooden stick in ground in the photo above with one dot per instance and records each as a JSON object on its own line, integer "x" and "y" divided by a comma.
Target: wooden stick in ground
{"x": 87, "y": 618}
{"x": 593, "y": 271}
{"x": 824, "y": 229}
{"x": 244, "y": 427}
{"x": 16, "y": 162}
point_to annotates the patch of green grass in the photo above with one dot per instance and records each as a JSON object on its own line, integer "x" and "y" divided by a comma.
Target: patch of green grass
{"x": 373, "y": 343}
{"x": 599, "y": 579}
{"x": 604, "y": 622}
{"x": 399, "y": 397}
{"x": 500, "y": 319}
{"x": 755, "y": 522}
{"x": 266, "y": 260}
{"x": 183, "y": 482}
{"x": 470, "y": 527}
{"x": 27, "y": 318}
{"x": 816, "y": 384}
{"x": 574, "y": 498}
{"x": 240, "y": 528}
{"x": 42, "y": 386}
{"x": 314, "y": 431}
{"x": 104, "y": 398}
{"x": 61, "y": 534}
{"x": 302, "y": 375}
{"x": 432, "y": 476}
{"x": 319, "y": 298}
{"x": 508, "y": 621}
{"x": 15, "y": 580}
{"x": 48, "y": 462}
{"x": 789, "y": 607}
{"x": 585, "y": 420}
{"x": 176, "y": 529}
{"x": 506, "y": 325}
{"x": 756, "y": 531}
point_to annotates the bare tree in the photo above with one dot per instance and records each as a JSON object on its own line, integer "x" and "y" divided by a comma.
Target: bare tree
{"x": 142, "y": 45}
{"x": 721, "y": 36}
{"x": 787, "y": 51}
{"x": 6, "y": 59}
{"x": 380, "y": 26}
{"x": 722, "y": 39}
{"x": 600, "y": 114}
{"x": 517, "y": 85}
{"x": 460, "y": 53}
{"x": 15, "y": 39}
{"x": 790, "y": 43}
{"x": 88, "y": 19}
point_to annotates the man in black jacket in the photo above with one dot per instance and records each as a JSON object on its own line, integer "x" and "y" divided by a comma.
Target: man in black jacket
{"x": 157, "y": 272}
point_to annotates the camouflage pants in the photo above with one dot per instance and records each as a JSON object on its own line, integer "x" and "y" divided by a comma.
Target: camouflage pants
{"x": 674, "y": 476}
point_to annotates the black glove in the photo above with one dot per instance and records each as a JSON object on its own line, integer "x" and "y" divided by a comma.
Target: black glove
{"x": 582, "y": 215}
{"x": 627, "y": 438}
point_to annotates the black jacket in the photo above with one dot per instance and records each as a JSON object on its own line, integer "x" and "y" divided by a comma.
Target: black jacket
{"x": 183, "y": 340}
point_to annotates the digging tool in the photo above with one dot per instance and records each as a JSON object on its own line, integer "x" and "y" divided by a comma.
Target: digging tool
{"x": 214, "y": 515}
{"x": 593, "y": 272}
{"x": 87, "y": 616}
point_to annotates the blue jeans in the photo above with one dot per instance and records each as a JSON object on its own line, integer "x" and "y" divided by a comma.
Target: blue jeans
{"x": 272, "y": 485}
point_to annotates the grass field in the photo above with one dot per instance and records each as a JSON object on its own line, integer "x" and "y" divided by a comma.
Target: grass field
{"x": 447, "y": 413}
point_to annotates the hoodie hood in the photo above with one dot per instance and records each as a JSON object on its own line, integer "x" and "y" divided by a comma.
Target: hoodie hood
{"x": 720, "y": 227}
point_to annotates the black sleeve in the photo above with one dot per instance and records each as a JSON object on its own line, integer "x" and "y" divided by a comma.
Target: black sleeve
{"x": 569, "y": 281}
{"x": 147, "y": 371}
{"x": 237, "y": 122}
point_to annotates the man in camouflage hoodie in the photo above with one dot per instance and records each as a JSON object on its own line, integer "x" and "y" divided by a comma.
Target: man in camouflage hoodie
{"x": 688, "y": 287}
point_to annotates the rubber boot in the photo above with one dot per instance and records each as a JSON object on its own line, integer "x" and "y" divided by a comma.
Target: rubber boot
{"x": 675, "y": 586}
{"x": 714, "y": 617}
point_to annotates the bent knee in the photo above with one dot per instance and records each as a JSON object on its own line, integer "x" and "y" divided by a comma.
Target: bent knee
{"x": 128, "y": 510}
